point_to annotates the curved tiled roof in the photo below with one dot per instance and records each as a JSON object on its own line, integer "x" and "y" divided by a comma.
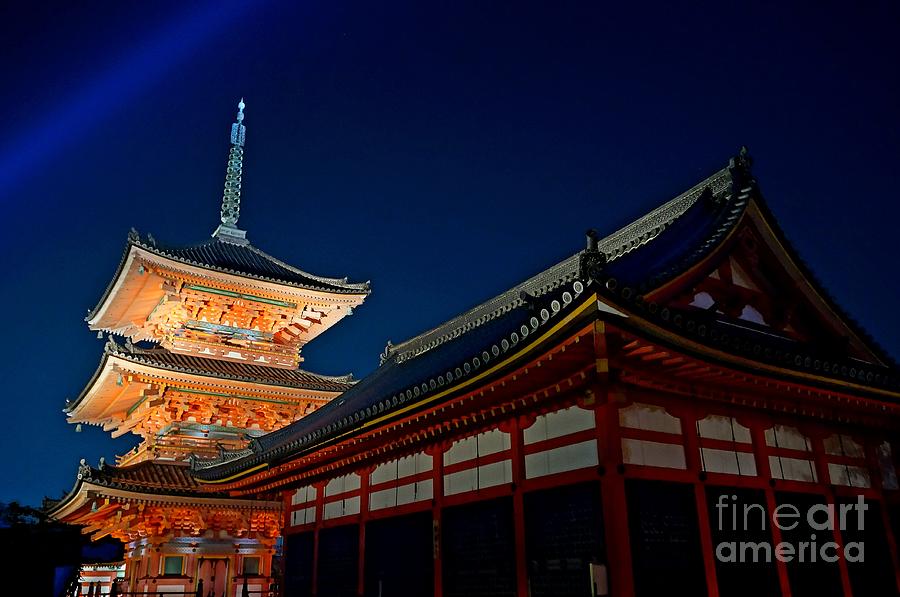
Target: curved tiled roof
{"x": 239, "y": 259}
{"x": 164, "y": 359}
{"x": 148, "y": 476}
{"x": 246, "y": 260}
{"x": 673, "y": 238}
{"x": 616, "y": 245}
{"x": 151, "y": 478}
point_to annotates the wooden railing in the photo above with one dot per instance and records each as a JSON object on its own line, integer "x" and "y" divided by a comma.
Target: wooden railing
{"x": 241, "y": 591}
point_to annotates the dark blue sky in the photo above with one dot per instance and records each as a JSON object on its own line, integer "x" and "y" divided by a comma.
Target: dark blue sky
{"x": 444, "y": 151}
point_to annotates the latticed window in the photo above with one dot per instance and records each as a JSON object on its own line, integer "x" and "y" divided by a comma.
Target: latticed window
{"x": 173, "y": 565}
{"x": 251, "y": 565}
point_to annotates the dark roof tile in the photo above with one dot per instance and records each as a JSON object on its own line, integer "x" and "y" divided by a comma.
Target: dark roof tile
{"x": 247, "y": 260}
{"x": 165, "y": 359}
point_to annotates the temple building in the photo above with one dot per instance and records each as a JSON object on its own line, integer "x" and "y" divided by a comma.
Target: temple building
{"x": 604, "y": 428}
{"x": 203, "y": 356}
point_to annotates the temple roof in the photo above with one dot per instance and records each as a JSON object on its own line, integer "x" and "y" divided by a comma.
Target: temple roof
{"x": 149, "y": 481}
{"x": 615, "y": 246}
{"x": 227, "y": 257}
{"x": 150, "y": 476}
{"x": 246, "y": 260}
{"x": 620, "y": 268}
{"x": 229, "y": 251}
{"x": 166, "y": 360}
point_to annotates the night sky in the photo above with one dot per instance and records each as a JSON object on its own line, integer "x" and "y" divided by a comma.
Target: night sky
{"x": 443, "y": 151}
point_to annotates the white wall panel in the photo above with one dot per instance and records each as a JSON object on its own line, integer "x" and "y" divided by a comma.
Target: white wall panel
{"x": 728, "y": 461}
{"x": 384, "y": 473}
{"x": 559, "y": 423}
{"x": 340, "y": 508}
{"x": 723, "y": 428}
{"x": 404, "y": 494}
{"x": 483, "y": 444}
{"x": 497, "y": 473}
{"x": 564, "y": 458}
{"x": 303, "y": 495}
{"x": 792, "y": 469}
{"x": 304, "y": 516}
{"x": 488, "y": 475}
{"x": 850, "y": 476}
{"x": 649, "y": 418}
{"x": 415, "y": 492}
{"x": 461, "y": 481}
{"x": 636, "y": 451}
{"x": 782, "y": 436}
{"x": 342, "y": 484}
{"x": 411, "y": 465}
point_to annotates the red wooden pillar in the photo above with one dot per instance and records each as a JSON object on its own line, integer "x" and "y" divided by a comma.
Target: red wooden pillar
{"x": 761, "y": 455}
{"x": 320, "y": 512}
{"x": 517, "y": 454}
{"x": 818, "y": 452}
{"x": 363, "y": 518}
{"x": 692, "y": 458}
{"x": 437, "y": 504}
{"x": 612, "y": 488}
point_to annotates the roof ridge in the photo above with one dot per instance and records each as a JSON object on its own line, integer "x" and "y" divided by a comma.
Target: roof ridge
{"x": 615, "y": 245}
{"x": 167, "y": 250}
{"x": 650, "y": 225}
{"x": 143, "y": 464}
{"x": 336, "y": 281}
{"x": 482, "y": 313}
{"x": 172, "y": 252}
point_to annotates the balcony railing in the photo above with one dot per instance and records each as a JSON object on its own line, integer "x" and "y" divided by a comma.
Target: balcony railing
{"x": 241, "y": 591}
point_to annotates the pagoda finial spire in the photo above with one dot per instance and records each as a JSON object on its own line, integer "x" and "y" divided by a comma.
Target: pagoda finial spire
{"x": 231, "y": 199}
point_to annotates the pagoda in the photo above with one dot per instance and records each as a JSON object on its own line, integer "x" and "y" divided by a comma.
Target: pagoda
{"x": 203, "y": 355}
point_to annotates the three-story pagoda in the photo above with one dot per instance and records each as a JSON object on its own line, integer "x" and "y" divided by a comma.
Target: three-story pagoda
{"x": 203, "y": 355}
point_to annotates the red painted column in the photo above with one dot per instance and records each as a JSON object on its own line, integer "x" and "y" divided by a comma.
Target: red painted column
{"x": 437, "y": 504}
{"x": 320, "y": 512}
{"x": 517, "y": 454}
{"x": 612, "y": 487}
{"x": 363, "y": 518}
{"x": 761, "y": 455}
